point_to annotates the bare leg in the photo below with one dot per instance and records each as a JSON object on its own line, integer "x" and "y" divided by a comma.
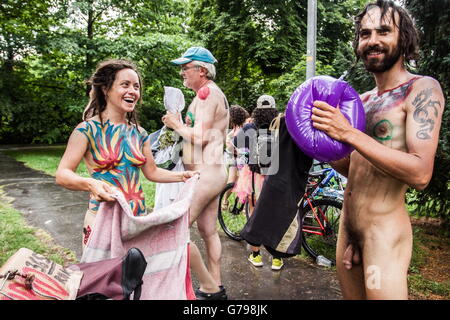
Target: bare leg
{"x": 386, "y": 260}
{"x": 206, "y": 224}
{"x": 203, "y": 209}
{"x": 207, "y": 282}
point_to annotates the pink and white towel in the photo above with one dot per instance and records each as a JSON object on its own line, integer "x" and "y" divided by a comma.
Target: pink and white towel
{"x": 162, "y": 236}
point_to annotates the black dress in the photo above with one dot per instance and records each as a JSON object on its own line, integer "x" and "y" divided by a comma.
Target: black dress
{"x": 276, "y": 219}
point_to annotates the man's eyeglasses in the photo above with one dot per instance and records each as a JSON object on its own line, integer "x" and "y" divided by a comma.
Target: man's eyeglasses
{"x": 184, "y": 69}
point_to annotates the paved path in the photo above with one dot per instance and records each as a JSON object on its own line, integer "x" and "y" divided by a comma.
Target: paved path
{"x": 60, "y": 212}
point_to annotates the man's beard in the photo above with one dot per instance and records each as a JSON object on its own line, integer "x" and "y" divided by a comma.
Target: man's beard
{"x": 375, "y": 65}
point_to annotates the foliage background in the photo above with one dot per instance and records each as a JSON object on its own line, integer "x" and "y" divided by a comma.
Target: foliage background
{"x": 48, "y": 48}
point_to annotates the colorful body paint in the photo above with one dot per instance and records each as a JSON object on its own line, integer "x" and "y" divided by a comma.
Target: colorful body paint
{"x": 116, "y": 159}
{"x": 377, "y": 107}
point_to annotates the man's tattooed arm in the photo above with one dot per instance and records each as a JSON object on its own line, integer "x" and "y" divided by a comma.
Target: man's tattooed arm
{"x": 422, "y": 104}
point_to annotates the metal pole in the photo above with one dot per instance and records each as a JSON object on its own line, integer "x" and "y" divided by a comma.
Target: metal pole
{"x": 311, "y": 39}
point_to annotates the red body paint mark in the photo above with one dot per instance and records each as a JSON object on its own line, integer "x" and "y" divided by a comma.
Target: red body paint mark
{"x": 203, "y": 93}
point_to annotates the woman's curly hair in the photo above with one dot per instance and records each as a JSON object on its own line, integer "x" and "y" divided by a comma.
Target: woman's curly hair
{"x": 103, "y": 79}
{"x": 237, "y": 115}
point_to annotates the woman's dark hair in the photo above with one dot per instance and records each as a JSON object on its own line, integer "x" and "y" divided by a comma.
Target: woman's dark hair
{"x": 408, "y": 41}
{"x": 237, "y": 115}
{"x": 262, "y": 117}
{"x": 103, "y": 79}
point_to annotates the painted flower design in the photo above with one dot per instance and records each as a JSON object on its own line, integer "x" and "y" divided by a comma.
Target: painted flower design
{"x": 117, "y": 155}
{"x": 133, "y": 152}
{"x": 106, "y": 145}
{"x": 131, "y": 188}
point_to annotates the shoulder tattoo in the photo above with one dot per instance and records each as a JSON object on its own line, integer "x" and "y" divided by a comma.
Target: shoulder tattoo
{"x": 425, "y": 112}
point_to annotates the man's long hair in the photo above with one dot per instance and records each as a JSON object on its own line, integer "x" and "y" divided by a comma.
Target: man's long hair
{"x": 103, "y": 79}
{"x": 408, "y": 41}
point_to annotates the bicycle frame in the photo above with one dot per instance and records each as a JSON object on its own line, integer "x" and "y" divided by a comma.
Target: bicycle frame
{"x": 317, "y": 189}
{"x": 321, "y": 226}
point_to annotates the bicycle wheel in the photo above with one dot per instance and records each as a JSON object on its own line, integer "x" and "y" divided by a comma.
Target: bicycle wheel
{"x": 320, "y": 228}
{"x": 232, "y": 214}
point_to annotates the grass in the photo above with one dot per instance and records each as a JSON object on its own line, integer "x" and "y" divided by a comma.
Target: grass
{"x": 16, "y": 234}
{"x": 234, "y": 216}
{"x": 430, "y": 251}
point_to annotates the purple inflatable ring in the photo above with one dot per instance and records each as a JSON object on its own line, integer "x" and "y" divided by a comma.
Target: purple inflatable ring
{"x": 313, "y": 142}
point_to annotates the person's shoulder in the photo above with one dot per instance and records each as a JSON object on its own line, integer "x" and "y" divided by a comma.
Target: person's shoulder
{"x": 212, "y": 89}
{"x": 367, "y": 94}
{"x": 88, "y": 122}
{"x": 427, "y": 82}
{"x": 425, "y": 92}
{"x": 142, "y": 131}
{"x": 426, "y": 87}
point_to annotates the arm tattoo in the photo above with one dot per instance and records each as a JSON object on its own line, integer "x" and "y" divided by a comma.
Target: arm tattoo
{"x": 422, "y": 103}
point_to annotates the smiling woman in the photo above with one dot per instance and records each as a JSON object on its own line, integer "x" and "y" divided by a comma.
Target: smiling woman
{"x": 113, "y": 146}
{"x": 119, "y": 82}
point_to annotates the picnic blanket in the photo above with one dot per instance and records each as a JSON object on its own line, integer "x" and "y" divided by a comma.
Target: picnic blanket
{"x": 162, "y": 236}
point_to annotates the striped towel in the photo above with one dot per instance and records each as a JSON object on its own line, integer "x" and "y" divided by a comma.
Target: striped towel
{"x": 162, "y": 236}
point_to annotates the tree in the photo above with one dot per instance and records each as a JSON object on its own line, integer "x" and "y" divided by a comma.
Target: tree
{"x": 252, "y": 41}
{"x": 22, "y": 24}
{"x": 61, "y": 41}
{"x": 433, "y": 21}
{"x": 258, "y": 43}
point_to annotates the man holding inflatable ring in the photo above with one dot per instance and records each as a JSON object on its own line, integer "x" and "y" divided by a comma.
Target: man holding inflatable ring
{"x": 403, "y": 118}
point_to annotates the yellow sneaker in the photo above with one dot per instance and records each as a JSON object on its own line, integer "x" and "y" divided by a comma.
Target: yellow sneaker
{"x": 277, "y": 263}
{"x": 256, "y": 261}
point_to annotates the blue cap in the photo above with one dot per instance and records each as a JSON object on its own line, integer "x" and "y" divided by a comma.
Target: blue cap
{"x": 195, "y": 53}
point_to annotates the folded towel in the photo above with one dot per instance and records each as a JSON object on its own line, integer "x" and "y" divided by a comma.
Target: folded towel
{"x": 162, "y": 236}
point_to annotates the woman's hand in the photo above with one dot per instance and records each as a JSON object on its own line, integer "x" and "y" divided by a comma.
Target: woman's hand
{"x": 188, "y": 174}
{"x": 100, "y": 190}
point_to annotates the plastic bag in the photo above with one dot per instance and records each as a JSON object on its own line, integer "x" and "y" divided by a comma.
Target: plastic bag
{"x": 173, "y": 99}
{"x": 166, "y": 143}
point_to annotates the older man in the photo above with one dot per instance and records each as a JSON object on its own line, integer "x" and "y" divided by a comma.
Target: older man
{"x": 204, "y": 136}
{"x": 403, "y": 116}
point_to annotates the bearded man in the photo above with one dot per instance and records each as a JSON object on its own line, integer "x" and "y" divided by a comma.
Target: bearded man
{"x": 403, "y": 118}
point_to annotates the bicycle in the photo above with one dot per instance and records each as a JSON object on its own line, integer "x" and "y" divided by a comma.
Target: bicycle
{"x": 233, "y": 213}
{"x": 322, "y": 205}
{"x": 324, "y": 191}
